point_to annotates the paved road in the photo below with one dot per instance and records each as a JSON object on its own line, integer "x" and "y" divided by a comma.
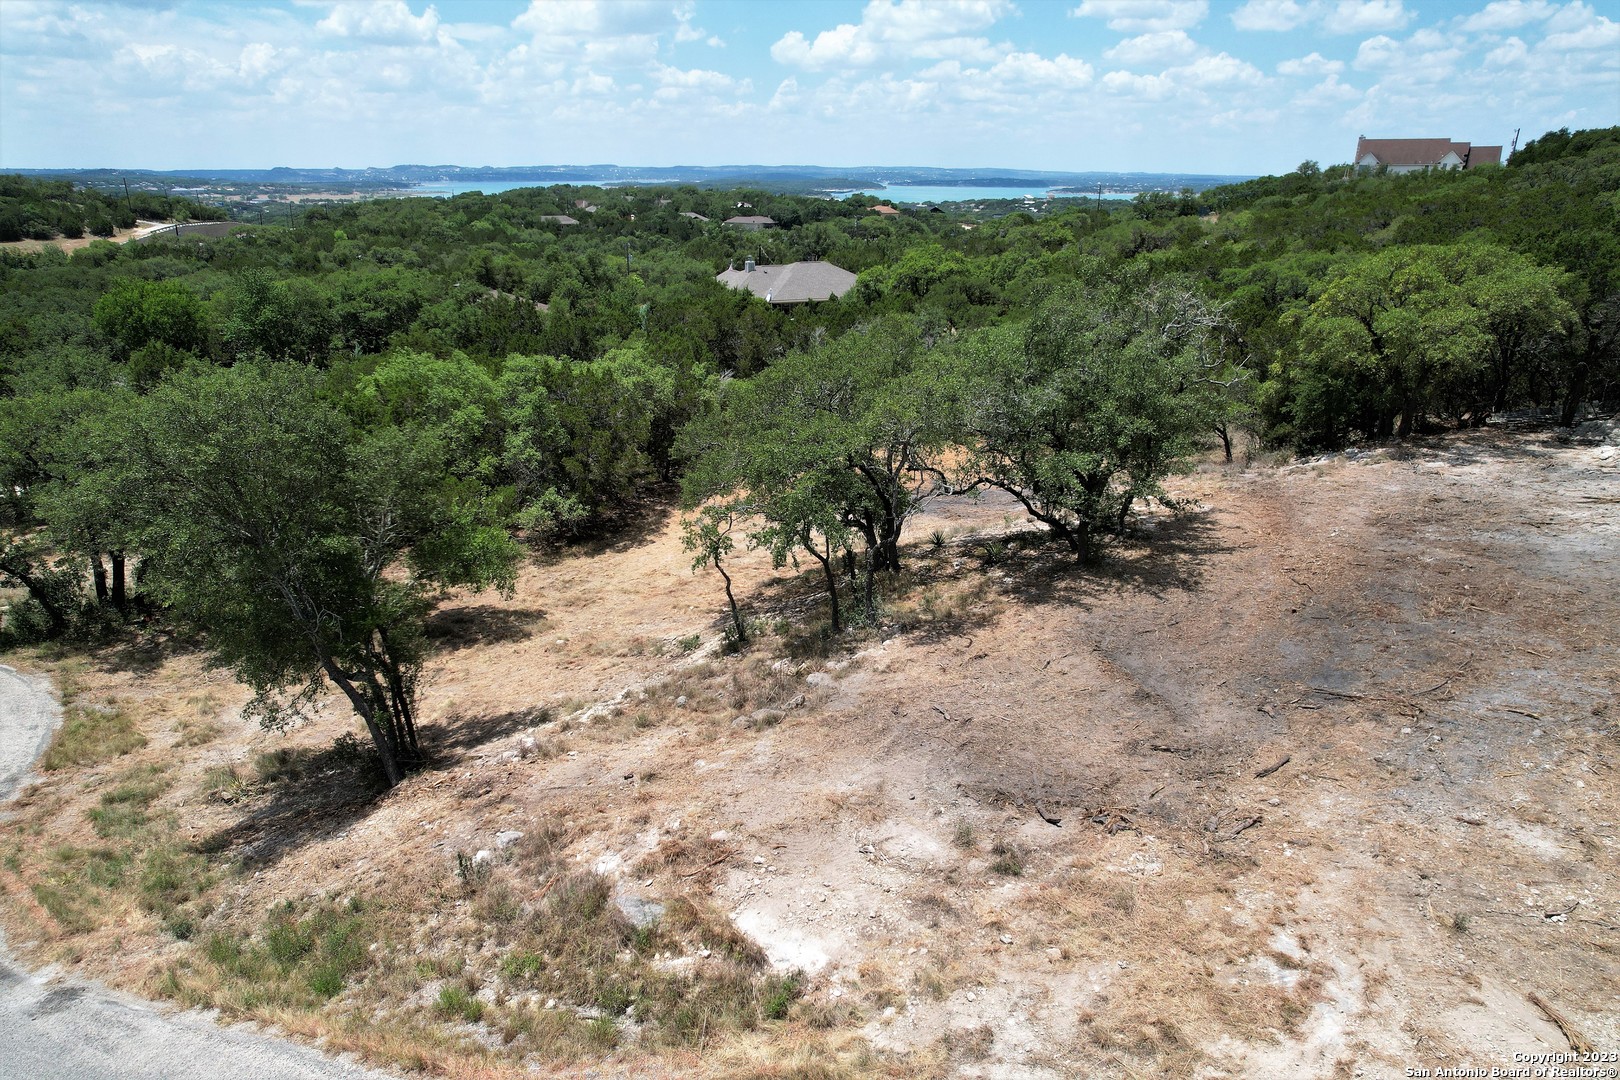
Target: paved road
{"x": 66, "y": 1029}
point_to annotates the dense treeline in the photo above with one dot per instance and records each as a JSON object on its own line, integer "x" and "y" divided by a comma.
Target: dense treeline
{"x": 45, "y": 209}
{"x": 291, "y": 438}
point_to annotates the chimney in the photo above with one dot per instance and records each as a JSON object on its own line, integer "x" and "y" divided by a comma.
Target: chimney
{"x": 748, "y": 266}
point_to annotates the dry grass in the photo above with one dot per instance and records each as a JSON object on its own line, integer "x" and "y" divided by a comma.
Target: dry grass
{"x": 91, "y": 734}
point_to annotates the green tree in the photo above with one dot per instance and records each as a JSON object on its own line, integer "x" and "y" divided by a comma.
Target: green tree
{"x": 831, "y": 449}
{"x": 1410, "y": 332}
{"x": 135, "y": 315}
{"x": 302, "y": 553}
{"x": 1084, "y": 411}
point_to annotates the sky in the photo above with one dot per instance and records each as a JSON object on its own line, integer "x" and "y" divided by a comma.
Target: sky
{"x": 1191, "y": 86}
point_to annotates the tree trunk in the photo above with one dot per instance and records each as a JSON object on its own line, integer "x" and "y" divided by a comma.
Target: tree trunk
{"x": 1225, "y": 433}
{"x": 98, "y": 571}
{"x": 832, "y": 579}
{"x": 120, "y": 596}
{"x": 871, "y": 605}
{"x": 736, "y": 616}
{"x": 1574, "y": 391}
{"x": 368, "y": 713}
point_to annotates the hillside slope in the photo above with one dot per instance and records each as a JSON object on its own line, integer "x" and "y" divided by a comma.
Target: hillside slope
{"x": 1315, "y": 779}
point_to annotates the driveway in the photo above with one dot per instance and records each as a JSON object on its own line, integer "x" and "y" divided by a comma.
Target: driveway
{"x": 57, "y": 1028}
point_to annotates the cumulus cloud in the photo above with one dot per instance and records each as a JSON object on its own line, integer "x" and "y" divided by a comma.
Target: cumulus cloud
{"x": 1600, "y": 34}
{"x": 1145, "y": 16}
{"x": 1221, "y": 71}
{"x": 1032, "y": 70}
{"x": 1511, "y": 52}
{"x": 896, "y": 28}
{"x": 1333, "y": 16}
{"x": 1508, "y": 15}
{"x": 1428, "y": 56}
{"x": 1271, "y": 15}
{"x": 1313, "y": 65}
{"x": 387, "y": 21}
{"x": 1163, "y": 46}
{"x": 1362, "y": 16}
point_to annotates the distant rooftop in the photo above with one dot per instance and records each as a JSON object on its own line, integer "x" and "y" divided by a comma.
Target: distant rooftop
{"x": 793, "y": 283}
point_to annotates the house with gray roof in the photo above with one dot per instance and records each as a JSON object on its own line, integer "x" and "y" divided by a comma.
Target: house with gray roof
{"x": 1415, "y": 155}
{"x": 793, "y": 283}
{"x": 751, "y": 222}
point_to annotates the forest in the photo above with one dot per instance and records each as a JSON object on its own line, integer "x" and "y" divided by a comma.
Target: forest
{"x": 290, "y": 441}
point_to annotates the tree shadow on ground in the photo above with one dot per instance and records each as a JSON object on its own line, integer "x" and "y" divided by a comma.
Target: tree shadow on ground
{"x": 308, "y": 794}
{"x": 1162, "y": 554}
{"x": 453, "y": 629}
{"x": 457, "y": 736}
{"x": 1159, "y": 555}
{"x": 141, "y": 651}
{"x": 635, "y": 524}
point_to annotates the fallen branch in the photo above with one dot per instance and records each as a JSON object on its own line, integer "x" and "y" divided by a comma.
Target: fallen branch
{"x": 710, "y": 863}
{"x": 1470, "y": 820}
{"x": 1048, "y": 818}
{"x": 1521, "y": 712}
{"x": 1577, "y": 1042}
{"x": 1263, "y": 773}
{"x": 1338, "y": 693}
{"x": 942, "y": 712}
{"x": 1164, "y": 749}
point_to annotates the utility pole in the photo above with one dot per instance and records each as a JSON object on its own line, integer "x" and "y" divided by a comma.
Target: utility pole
{"x": 1099, "y": 195}
{"x": 1514, "y": 149}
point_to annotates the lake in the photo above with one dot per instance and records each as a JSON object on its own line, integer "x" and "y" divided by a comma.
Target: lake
{"x": 929, "y": 193}
{"x": 898, "y": 193}
{"x": 444, "y": 189}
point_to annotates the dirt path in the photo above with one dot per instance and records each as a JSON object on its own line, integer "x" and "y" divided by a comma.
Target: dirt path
{"x": 28, "y": 717}
{"x": 54, "y": 1028}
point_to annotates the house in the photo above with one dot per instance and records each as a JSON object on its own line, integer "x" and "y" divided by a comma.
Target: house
{"x": 558, "y": 219}
{"x": 751, "y": 222}
{"x": 693, "y": 215}
{"x": 1415, "y": 155}
{"x": 793, "y": 283}
{"x": 885, "y": 211}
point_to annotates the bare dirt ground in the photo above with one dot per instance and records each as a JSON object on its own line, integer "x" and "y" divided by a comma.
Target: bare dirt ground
{"x": 1314, "y": 779}
{"x": 78, "y": 243}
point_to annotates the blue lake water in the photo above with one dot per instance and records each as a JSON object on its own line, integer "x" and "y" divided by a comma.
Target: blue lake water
{"x": 444, "y": 189}
{"x": 929, "y": 193}
{"x": 898, "y": 193}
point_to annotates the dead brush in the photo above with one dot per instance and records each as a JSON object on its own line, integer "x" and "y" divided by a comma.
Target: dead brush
{"x": 1167, "y": 987}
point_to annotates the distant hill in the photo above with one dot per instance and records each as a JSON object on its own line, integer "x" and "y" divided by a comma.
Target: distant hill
{"x": 772, "y": 177}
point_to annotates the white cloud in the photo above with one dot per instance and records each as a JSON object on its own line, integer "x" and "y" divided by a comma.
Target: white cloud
{"x": 1145, "y": 16}
{"x": 1159, "y": 47}
{"x": 1363, "y": 16}
{"x": 1219, "y": 70}
{"x": 1312, "y": 65}
{"x": 1428, "y": 56}
{"x": 386, "y": 21}
{"x": 1572, "y": 16}
{"x": 1508, "y": 15}
{"x": 1030, "y": 70}
{"x": 1140, "y": 87}
{"x": 1601, "y": 34}
{"x": 1328, "y": 93}
{"x": 1222, "y": 72}
{"x": 1510, "y": 52}
{"x": 1271, "y": 15}
{"x": 582, "y": 18}
{"x": 904, "y": 29}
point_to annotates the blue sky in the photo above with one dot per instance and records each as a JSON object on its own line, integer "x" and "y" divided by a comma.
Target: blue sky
{"x": 1215, "y": 86}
